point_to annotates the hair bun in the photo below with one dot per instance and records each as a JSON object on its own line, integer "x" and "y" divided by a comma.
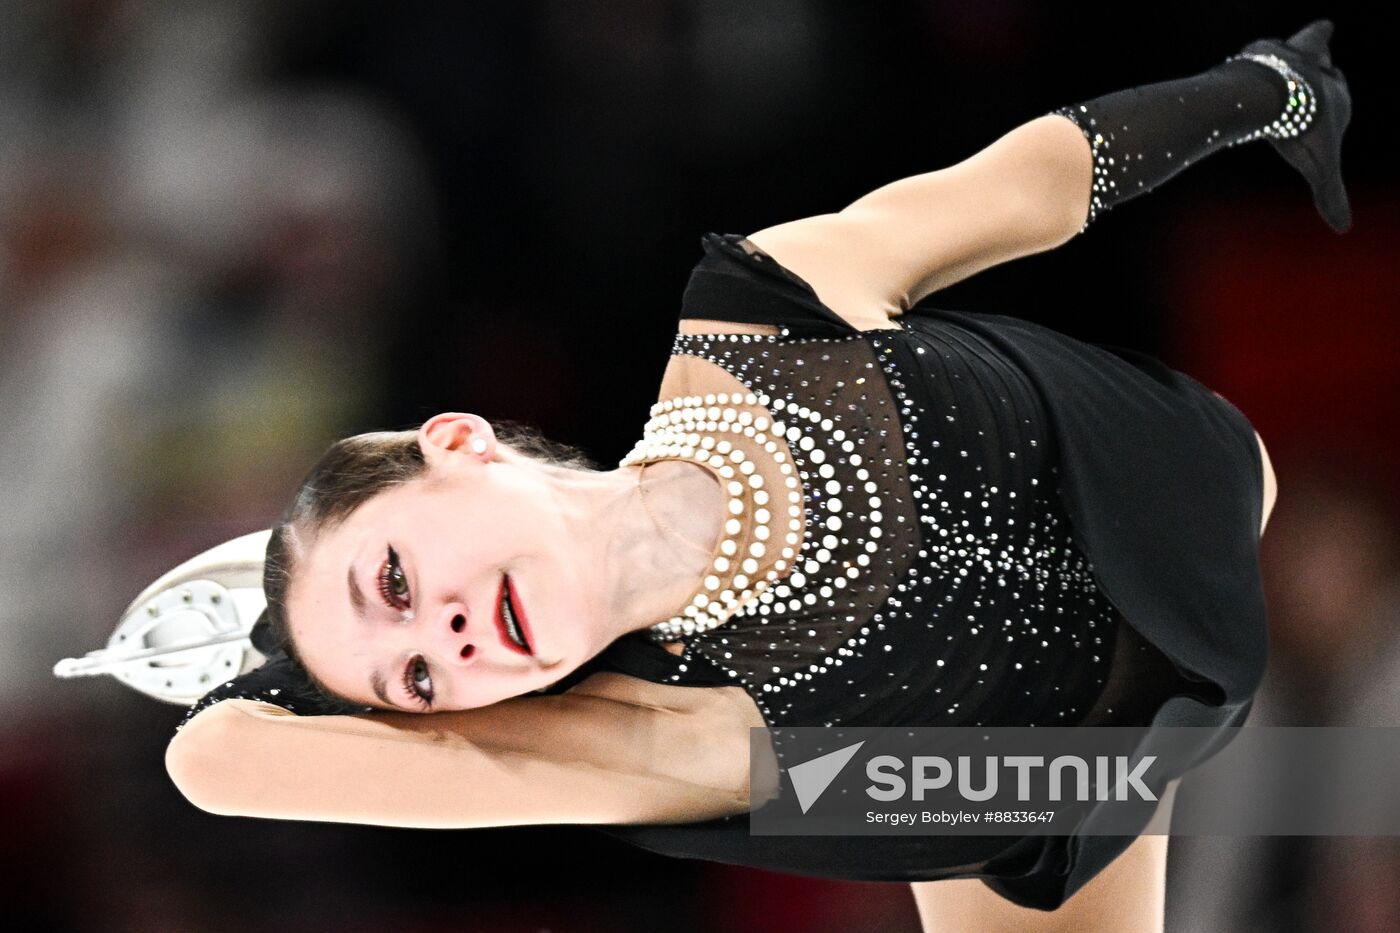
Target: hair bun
{"x": 263, "y": 639}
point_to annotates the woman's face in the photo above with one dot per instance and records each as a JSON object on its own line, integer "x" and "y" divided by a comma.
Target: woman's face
{"x": 457, "y": 590}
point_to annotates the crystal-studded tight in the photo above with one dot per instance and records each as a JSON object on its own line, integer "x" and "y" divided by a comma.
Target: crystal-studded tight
{"x": 1144, "y": 135}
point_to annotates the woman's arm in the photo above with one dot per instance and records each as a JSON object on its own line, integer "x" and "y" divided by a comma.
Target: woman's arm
{"x": 574, "y": 758}
{"x": 1025, "y": 193}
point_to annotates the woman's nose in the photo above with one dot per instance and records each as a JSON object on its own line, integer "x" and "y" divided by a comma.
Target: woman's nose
{"x": 455, "y": 643}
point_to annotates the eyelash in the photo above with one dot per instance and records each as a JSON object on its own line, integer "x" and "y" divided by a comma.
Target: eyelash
{"x": 388, "y": 574}
{"x": 411, "y": 685}
{"x": 386, "y": 582}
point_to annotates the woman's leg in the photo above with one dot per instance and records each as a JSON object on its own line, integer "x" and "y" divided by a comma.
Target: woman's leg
{"x": 1044, "y": 181}
{"x": 1128, "y": 896}
{"x": 1027, "y": 192}
{"x": 1270, "y": 483}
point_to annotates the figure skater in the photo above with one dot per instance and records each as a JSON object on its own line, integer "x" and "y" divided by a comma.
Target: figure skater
{"x": 844, "y": 510}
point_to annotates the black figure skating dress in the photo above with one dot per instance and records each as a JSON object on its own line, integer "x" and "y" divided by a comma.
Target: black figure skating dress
{"x": 1004, "y": 526}
{"x": 980, "y": 521}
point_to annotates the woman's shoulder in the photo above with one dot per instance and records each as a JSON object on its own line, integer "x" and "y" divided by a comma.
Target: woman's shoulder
{"x": 739, "y": 283}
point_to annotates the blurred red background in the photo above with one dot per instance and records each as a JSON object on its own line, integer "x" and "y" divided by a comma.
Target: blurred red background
{"x": 234, "y": 231}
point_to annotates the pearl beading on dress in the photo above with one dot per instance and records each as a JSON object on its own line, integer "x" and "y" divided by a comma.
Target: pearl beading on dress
{"x": 694, "y": 428}
{"x": 805, "y": 606}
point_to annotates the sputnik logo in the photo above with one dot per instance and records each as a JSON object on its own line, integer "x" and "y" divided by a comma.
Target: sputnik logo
{"x": 811, "y": 778}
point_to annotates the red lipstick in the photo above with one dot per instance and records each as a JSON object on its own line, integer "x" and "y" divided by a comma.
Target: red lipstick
{"x": 512, "y": 626}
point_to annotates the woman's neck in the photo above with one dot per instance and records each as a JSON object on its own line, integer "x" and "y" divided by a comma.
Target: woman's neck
{"x": 656, "y": 527}
{"x": 673, "y": 526}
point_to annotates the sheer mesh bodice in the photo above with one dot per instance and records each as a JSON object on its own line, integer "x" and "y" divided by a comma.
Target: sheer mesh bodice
{"x": 936, "y": 581}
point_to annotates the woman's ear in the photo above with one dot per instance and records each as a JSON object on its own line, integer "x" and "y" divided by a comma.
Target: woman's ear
{"x": 453, "y": 433}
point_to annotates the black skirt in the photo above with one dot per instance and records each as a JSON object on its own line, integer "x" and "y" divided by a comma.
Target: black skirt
{"x": 1162, "y": 483}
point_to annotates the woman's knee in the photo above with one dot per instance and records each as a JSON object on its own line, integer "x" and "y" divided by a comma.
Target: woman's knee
{"x": 1270, "y": 482}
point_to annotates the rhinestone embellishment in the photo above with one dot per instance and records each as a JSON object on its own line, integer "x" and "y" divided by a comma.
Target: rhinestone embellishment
{"x": 1300, "y": 109}
{"x": 1102, "y": 184}
{"x": 1298, "y": 113}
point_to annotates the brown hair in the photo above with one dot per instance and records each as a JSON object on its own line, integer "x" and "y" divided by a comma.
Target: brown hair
{"x": 349, "y": 474}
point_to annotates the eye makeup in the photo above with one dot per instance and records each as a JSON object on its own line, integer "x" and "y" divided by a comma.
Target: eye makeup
{"x": 393, "y": 582}
{"x": 418, "y": 682}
